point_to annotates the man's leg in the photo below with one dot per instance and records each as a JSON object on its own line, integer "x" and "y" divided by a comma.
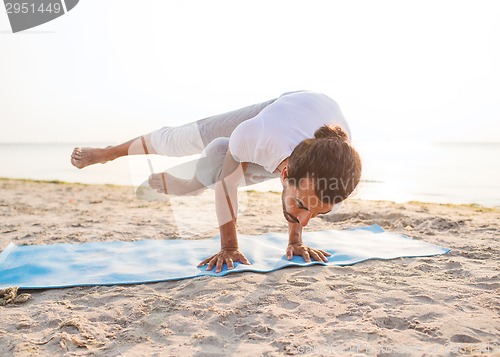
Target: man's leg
{"x": 188, "y": 139}
{"x": 210, "y": 137}
{"x": 82, "y": 157}
{"x": 179, "y": 141}
{"x": 206, "y": 171}
{"x": 141, "y": 145}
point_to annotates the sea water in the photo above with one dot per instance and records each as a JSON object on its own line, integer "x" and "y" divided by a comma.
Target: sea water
{"x": 396, "y": 171}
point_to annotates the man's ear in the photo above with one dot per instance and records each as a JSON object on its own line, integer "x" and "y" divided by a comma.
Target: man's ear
{"x": 284, "y": 174}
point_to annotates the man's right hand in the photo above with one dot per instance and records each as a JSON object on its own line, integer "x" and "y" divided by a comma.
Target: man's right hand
{"x": 226, "y": 256}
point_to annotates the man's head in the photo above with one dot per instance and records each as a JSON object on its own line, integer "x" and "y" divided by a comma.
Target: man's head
{"x": 320, "y": 173}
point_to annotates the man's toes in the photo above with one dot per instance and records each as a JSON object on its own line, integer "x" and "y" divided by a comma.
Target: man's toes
{"x": 79, "y": 153}
{"x": 76, "y": 163}
{"x": 156, "y": 182}
{"x": 153, "y": 181}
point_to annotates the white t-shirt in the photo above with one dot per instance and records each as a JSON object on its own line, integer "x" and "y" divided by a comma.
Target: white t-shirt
{"x": 270, "y": 137}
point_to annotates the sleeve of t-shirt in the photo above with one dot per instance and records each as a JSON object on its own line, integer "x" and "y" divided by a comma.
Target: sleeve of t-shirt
{"x": 244, "y": 140}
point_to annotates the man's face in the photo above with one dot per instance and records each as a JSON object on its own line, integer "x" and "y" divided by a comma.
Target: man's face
{"x": 300, "y": 203}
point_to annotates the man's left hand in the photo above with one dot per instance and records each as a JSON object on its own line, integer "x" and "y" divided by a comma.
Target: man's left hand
{"x": 306, "y": 252}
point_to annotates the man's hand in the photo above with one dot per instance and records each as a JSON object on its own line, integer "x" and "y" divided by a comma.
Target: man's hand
{"x": 226, "y": 256}
{"x": 306, "y": 252}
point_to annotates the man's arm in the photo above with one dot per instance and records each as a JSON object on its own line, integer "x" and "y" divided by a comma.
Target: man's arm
{"x": 226, "y": 206}
{"x": 294, "y": 233}
{"x": 297, "y": 247}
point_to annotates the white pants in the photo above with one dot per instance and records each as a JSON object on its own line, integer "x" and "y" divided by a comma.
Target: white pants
{"x": 210, "y": 138}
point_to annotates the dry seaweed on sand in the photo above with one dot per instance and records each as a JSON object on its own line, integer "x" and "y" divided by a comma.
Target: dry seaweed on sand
{"x": 10, "y": 296}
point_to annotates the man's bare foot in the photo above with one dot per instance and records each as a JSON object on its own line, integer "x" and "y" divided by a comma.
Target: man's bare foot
{"x": 158, "y": 182}
{"x": 82, "y": 157}
{"x": 176, "y": 186}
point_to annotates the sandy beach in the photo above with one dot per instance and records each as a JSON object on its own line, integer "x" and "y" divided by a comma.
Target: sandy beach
{"x": 435, "y": 306}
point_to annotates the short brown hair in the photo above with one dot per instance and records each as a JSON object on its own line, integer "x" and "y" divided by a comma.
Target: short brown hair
{"x": 330, "y": 161}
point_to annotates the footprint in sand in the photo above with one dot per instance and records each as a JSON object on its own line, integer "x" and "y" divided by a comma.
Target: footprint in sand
{"x": 392, "y": 322}
{"x": 459, "y": 338}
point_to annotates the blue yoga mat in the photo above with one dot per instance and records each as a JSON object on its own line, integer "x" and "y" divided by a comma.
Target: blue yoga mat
{"x": 147, "y": 261}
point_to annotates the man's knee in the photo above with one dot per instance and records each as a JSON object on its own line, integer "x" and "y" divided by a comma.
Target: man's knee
{"x": 217, "y": 147}
{"x": 209, "y": 165}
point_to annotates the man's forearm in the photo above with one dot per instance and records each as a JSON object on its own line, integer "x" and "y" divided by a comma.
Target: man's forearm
{"x": 226, "y": 203}
{"x": 228, "y": 235}
{"x": 294, "y": 233}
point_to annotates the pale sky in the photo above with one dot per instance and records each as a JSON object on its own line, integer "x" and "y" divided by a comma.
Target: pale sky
{"x": 110, "y": 70}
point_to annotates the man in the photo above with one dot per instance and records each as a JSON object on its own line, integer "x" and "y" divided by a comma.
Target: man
{"x": 300, "y": 137}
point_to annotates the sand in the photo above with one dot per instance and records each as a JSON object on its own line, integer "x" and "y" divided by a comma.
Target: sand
{"x": 444, "y": 305}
